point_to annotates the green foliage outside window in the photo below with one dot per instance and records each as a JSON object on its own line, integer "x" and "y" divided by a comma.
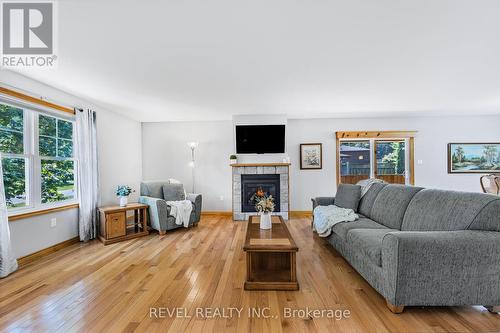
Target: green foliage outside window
{"x": 47, "y": 146}
{"x": 55, "y": 137}
{"x": 11, "y": 142}
{"x": 14, "y": 181}
{"x": 56, "y": 140}
{"x": 11, "y": 130}
{"x": 57, "y": 180}
{"x": 392, "y": 157}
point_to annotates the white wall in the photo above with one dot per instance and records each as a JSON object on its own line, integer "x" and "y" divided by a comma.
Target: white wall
{"x": 119, "y": 144}
{"x": 165, "y": 153}
{"x": 120, "y": 155}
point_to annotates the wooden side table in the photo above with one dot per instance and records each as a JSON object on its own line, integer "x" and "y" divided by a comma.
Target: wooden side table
{"x": 113, "y": 225}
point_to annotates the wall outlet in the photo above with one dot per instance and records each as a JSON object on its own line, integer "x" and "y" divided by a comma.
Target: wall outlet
{"x": 53, "y": 223}
{"x": 221, "y": 198}
{"x": 420, "y": 162}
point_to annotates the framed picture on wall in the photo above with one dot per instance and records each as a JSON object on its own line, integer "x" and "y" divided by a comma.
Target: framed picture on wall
{"x": 311, "y": 156}
{"x": 473, "y": 157}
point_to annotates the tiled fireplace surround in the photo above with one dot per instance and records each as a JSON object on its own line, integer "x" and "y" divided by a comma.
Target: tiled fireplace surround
{"x": 260, "y": 169}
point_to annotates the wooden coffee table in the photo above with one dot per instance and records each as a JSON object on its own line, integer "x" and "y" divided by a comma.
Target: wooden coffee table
{"x": 270, "y": 256}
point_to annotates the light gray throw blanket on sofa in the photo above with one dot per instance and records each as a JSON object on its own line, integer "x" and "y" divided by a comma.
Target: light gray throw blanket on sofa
{"x": 181, "y": 210}
{"x": 367, "y": 183}
{"x": 325, "y": 217}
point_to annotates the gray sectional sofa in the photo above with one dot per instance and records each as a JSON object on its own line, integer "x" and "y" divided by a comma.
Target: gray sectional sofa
{"x": 424, "y": 247}
{"x": 157, "y": 193}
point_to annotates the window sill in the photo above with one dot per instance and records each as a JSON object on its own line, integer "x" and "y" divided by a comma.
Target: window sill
{"x": 20, "y": 216}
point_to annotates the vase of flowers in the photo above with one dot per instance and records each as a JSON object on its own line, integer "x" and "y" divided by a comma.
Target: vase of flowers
{"x": 123, "y": 191}
{"x": 264, "y": 204}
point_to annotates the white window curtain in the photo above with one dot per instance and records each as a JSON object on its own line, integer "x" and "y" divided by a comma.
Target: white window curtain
{"x": 88, "y": 178}
{"x": 8, "y": 262}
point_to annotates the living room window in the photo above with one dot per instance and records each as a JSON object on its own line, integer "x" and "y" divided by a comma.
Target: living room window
{"x": 383, "y": 155}
{"x": 14, "y": 161}
{"x": 37, "y": 158}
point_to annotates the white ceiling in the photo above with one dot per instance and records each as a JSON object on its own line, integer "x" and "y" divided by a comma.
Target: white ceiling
{"x": 207, "y": 60}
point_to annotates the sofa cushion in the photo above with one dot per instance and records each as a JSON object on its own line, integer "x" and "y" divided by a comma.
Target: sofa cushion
{"x": 173, "y": 192}
{"x": 348, "y": 196}
{"x": 341, "y": 229}
{"x": 440, "y": 210}
{"x": 367, "y": 200}
{"x": 369, "y": 242}
{"x": 489, "y": 217}
{"x": 390, "y": 205}
{"x": 152, "y": 189}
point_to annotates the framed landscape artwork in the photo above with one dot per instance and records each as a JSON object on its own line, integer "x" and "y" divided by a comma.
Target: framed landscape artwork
{"x": 473, "y": 157}
{"x": 311, "y": 156}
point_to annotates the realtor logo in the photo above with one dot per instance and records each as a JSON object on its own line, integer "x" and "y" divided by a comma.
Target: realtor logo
{"x": 28, "y": 34}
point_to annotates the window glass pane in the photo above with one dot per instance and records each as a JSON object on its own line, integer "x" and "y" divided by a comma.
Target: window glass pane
{"x": 11, "y": 118}
{"x": 64, "y": 148}
{"x": 391, "y": 161}
{"x": 11, "y": 142}
{"x": 47, "y": 125}
{"x": 14, "y": 181}
{"x": 354, "y": 161}
{"x": 64, "y": 129}
{"x": 47, "y": 146}
{"x": 11, "y": 129}
{"x": 55, "y": 137}
{"x": 57, "y": 180}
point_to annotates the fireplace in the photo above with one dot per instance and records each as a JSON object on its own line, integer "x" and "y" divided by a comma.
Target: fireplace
{"x": 273, "y": 178}
{"x": 270, "y": 184}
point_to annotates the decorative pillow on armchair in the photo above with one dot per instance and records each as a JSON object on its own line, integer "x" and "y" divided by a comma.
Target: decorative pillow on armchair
{"x": 348, "y": 196}
{"x": 173, "y": 192}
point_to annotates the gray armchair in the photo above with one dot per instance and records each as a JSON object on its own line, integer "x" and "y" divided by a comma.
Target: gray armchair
{"x": 157, "y": 193}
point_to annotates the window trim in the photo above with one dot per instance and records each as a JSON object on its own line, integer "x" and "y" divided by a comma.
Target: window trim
{"x": 33, "y": 179}
{"x": 39, "y": 101}
{"x": 26, "y": 214}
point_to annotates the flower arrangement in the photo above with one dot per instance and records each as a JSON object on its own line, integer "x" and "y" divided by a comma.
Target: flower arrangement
{"x": 124, "y": 190}
{"x": 264, "y": 203}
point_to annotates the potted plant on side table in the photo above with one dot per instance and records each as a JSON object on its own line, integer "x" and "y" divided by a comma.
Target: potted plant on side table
{"x": 123, "y": 191}
{"x": 233, "y": 159}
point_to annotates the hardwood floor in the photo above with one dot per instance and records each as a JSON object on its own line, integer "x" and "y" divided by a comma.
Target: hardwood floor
{"x": 93, "y": 288}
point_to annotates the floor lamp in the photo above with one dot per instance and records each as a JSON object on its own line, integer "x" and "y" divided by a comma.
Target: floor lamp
{"x": 193, "y": 146}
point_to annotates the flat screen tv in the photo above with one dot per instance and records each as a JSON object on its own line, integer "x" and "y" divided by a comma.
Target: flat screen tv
{"x": 260, "y": 139}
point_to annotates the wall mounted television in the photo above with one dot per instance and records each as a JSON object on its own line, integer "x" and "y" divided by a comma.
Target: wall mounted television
{"x": 260, "y": 139}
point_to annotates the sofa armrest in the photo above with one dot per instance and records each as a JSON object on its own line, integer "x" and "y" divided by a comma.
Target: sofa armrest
{"x": 158, "y": 212}
{"x": 196, "y": 199}
{"x": 322, "y": 201}
{"x": 441, "y": 267}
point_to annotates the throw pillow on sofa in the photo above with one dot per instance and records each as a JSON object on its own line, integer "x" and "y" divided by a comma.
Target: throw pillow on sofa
{"x": 348, "y": 196}
{"x": 173, "y": 192}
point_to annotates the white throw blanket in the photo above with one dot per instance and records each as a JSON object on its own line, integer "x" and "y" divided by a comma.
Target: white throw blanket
{"x": 325, "y": 217}
{"x": 181, "y": 210}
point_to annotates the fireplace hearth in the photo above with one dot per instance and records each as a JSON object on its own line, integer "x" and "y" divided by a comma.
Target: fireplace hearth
{"x": 270, "y": 184}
